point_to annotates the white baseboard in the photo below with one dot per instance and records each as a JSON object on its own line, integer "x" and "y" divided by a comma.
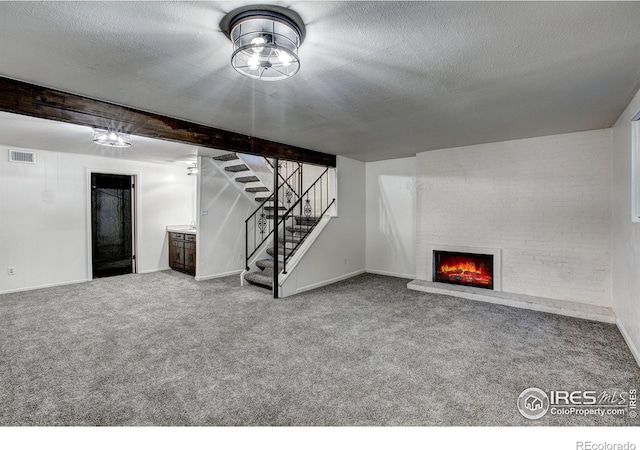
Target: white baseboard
{"x": 43, "y": 286}
{"x": 161, "y": 269}
{"x": 627, "y": 339}
{"x": 330, "y": 281}
{"x": 220, "y": 275}
{"x": 391, "y": 274}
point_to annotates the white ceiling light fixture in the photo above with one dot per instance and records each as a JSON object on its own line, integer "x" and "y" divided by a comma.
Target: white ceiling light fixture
{"x": 265, "y": 41}
{"x": 111, "y": 138}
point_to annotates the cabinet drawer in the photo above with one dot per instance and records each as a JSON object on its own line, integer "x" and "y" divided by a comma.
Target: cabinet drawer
{"x": 190, "y": 237}
{"x": 177, "y": 235}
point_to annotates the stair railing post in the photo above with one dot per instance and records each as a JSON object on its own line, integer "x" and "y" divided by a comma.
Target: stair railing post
{"x": 300, "y": 187}
{"x": 275, "y": 227}
{"x": 246, "y": 245}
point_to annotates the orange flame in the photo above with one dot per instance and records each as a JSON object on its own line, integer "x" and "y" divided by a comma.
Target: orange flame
{"x": 463, "y": 270}
{"x": 465, "y": 267}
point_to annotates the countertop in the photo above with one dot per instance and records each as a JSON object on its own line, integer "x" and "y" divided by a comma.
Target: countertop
{"x": 187, "y": 229}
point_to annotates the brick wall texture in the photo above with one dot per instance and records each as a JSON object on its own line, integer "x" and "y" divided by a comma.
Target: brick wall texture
{"x": 546, "y": 202}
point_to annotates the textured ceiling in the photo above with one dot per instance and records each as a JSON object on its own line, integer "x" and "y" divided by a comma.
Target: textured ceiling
{"x": 378, "y": 80}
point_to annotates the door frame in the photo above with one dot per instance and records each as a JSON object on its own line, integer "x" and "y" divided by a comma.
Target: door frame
{"x": 135, "y": 214}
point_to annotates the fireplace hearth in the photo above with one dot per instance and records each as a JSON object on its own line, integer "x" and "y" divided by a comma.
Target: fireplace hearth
{"x": 467, "y": 269}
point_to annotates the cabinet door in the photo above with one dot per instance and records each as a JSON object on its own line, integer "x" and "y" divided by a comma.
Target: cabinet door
{"x": 178, "y": 254}
{"x": 190, "y": 257}
{"x": 176, "y": 251}
{"x": 172, "y": 251}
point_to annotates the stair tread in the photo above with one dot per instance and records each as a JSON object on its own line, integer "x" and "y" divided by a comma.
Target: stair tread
{"x": 226, "y": 157}
{"x": 293, "y": 239}
{"x": 298, "y": 228}
{"x": 257, "y": 189}
{"x": 265, "y": 263}
{"x": 270, "y": 216}
{"x": 281, "y": 251}
{"x": 307, "y": 219}
{"x": 261, "y": 198}
{"x": 259, "y": 279}
{"x": 281, "y": 208}
{"x": 249, "y": 179}
{"x": 236, "y": 168}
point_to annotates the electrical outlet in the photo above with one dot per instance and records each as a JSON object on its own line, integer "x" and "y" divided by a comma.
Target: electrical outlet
{"x": 204, "y": 211}
{"x": 11, "y": 270}
{"x": 345, "y": 260}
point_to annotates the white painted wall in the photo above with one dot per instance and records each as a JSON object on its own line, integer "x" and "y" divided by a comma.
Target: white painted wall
{"x": 339, "y": 252}
{"x": 544, "y": 201}
{"x": 221, "y": 233}
{"x": 625, "y": 234}
{"x": 391, "y": 217}
{"x": 44, "y": 217}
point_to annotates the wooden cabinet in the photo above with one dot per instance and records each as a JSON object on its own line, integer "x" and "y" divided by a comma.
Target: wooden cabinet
{"x": 182, "y": 252}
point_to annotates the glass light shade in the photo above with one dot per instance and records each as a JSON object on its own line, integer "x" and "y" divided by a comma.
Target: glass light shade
{"x": 111, "y": 138}
{"x": 265, "y": 45}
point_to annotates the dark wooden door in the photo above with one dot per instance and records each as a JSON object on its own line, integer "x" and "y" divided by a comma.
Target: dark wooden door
{"x": 111, "y": 224}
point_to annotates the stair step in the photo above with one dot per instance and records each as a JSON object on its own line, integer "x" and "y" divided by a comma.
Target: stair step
{"x": 226, "y": 157}
{"x": 262, "y": 198}
{"x": 290, "y": 239}
{"x": 298, "y": 228}
{"x": 236, "y": 168}
{"x": 265, "y": 264}
{"x": 256, "y": 189}
{"x": 249, "y": 179}
{"x": 270, "y": 216}
{"x": 304, "y": 220}
{"x": 288, "y": 245}
{"x": 258, "y": 279}
{"x": 281, "y": 251}
{"x": 271, "y": 208}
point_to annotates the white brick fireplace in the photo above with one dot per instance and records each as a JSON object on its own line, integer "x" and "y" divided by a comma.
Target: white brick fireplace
{"x": 542, "y": 205}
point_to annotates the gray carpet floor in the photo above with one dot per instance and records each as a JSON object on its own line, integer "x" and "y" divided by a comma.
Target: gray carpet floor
{"x": 163, "y": 349}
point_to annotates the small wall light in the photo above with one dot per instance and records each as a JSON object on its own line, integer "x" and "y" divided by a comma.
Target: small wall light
{"x": 193, "y": 170}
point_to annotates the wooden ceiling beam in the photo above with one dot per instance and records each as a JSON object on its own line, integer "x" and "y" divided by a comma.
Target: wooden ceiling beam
{"x": 28, "y": 99}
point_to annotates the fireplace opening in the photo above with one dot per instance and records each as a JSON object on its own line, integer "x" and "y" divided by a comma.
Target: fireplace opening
{"x": 467, "y": 269}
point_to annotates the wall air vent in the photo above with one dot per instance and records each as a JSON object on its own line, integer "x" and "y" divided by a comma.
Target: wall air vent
{"x": 17, "y": 156}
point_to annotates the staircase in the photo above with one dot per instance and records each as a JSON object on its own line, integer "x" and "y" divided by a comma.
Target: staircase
{"x": 238, "y": 169}
{"x": 295, "y": 233}
{"x": 295, "y": 223}
{"x": 298, "y": 213}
